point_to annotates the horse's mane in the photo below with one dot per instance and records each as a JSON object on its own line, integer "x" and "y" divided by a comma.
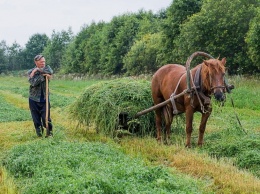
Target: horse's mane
{"x": 210, "y": 68}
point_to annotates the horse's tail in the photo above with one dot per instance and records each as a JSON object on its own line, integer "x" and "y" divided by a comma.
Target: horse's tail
{"x": 167, "y": 114}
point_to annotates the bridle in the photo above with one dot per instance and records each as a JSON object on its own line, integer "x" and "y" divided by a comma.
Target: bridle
{"x": 212, "y": 88}
{"x": 218, "y": 86}
{"x": 197, "y": 88}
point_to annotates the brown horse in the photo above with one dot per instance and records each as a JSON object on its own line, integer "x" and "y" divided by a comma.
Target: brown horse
{"x": 206, "y": 79}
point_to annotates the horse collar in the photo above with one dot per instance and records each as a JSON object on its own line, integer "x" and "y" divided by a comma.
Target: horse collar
{"x": 199, "y": 86}
{"x": 197, "y": 79}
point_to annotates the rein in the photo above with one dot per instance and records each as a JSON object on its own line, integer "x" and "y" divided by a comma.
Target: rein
{"x": 232, "y": 102}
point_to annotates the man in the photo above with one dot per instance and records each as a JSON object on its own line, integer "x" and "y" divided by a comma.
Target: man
{"x": 37, "y": 95}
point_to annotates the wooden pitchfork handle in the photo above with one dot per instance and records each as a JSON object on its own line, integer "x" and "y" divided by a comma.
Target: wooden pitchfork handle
{"x": 47, "y": 106}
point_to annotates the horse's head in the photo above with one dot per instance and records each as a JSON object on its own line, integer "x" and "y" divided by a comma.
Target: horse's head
{"x": 213, "y": 72}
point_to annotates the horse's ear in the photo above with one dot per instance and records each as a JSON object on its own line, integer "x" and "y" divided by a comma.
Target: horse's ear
{"x": 223, "y": 61}
{"x": 205, "y": 62}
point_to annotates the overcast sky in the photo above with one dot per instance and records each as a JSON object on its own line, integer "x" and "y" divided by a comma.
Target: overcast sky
{"x": 20, "y": 19}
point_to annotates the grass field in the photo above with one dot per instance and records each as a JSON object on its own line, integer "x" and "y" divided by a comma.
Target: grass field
{"x": 79, "y": 160}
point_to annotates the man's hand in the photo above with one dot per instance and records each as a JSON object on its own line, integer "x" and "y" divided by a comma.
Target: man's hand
{"x": 48, "y": 76}
{"x": 34, "y": 71}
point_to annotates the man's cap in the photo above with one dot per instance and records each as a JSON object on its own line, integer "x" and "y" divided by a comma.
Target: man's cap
{"x": 38, "y": 57}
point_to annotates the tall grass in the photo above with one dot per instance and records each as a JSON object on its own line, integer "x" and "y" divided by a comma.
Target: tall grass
{"x": 246, "y": 93}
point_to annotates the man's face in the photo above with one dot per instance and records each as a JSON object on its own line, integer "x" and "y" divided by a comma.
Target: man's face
{"x": 40, "y": 63}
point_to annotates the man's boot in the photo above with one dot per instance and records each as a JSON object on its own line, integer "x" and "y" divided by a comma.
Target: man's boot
{"x": 39, "y": 131}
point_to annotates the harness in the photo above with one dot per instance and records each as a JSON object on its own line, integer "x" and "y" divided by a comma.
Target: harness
{"x": 197, "y": 83}
{"x": 175, "y": 110}
{"x": 197, "y": 89}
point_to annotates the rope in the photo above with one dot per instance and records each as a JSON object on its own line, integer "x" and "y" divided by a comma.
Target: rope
{"x": 232, "y": 102}
{"x": 175, "y": 110}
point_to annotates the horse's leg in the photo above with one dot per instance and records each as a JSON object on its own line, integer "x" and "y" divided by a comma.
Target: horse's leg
{"x": 168, "y": 115}
{"x": 203, "y": 122}
{"x": 158, "y": 122}
{"x": 189, "y": 119}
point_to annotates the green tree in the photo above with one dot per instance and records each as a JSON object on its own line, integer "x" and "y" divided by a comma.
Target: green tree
{"x": 3, "y": 57}
{"x": 68, "y": 59}
{"x": 56, "y": 48}
{"x": 119, "y": 36}
{"x": 143, "y": 56}
{"x": 117, "y": 39}
{"x": 33, "y": 47}
{"x": 176, "y": 15}
{"x": 219, "y": 30}
{"x": 100, "y": 48}
{"x": 149, "y": 23}
{"x": 253, "y": 41}
{"x": 14, "y": 57}
{"x": 73, "y": 60}
{"x": 92, "y": 49}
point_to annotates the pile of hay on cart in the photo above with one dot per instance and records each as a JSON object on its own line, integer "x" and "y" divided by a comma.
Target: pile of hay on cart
{"x": 102, "y": 105}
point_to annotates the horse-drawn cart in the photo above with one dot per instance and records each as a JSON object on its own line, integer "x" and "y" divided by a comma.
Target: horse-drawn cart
{"x": 177, "y": 89}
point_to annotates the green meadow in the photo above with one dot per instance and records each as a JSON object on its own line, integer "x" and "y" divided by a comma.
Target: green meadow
{"x": 83, "y": 157}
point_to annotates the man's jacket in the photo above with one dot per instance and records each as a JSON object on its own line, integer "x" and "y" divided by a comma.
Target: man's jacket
{"x": 38, "y": 83}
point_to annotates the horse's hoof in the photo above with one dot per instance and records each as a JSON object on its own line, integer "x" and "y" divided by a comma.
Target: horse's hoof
{"x": 188, "y": 146}
{"x": 168, "y": 142}
{"x": 159, "y": 140}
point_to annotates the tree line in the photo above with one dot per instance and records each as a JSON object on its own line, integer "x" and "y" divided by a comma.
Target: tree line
{"x": 140, "y": 43}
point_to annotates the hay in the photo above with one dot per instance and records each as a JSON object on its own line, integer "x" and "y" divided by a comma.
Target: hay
{"x": 101, "y": 104}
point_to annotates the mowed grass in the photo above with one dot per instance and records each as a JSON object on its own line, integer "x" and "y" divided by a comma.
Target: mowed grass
{"x": 171, "y": 168}
{"x": 70, "y": 167}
